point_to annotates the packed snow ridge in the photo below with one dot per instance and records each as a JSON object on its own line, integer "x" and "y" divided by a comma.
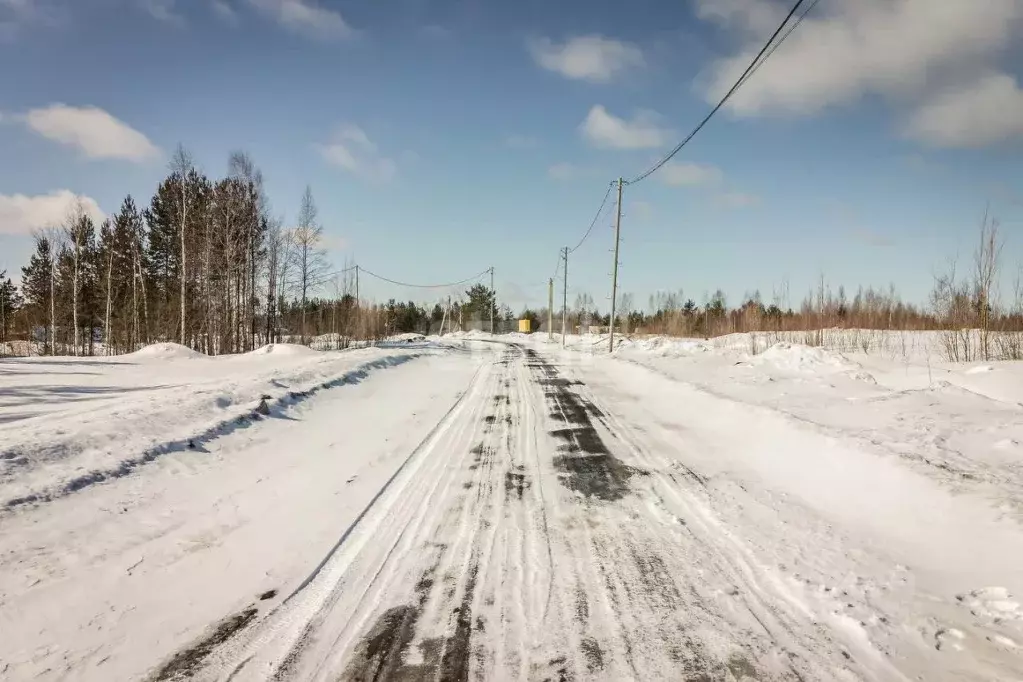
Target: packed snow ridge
{"x": 479, "y": 507}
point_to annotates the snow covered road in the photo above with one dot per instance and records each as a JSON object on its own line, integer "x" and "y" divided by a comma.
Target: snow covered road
{"x": 507, "y": 511}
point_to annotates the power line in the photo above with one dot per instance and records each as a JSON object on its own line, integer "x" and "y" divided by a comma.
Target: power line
{"x": 595, "y": 219}
{"x": 423, "y": 286}
{"x": 327, "y": 275}
{"x": 738, "y": 83}
{"x": 781, "y": 40}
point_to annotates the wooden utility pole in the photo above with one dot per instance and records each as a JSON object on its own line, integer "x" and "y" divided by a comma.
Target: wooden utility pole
{"x": 550, "y": 309}
{"x": 614, "y": 272}
{"x": 564, "y": 305}
{"x": 356, "y": 286}
{"x": 493, "y": 300}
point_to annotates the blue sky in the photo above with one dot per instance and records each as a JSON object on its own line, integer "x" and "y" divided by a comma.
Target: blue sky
{"x": 442, "y": 137}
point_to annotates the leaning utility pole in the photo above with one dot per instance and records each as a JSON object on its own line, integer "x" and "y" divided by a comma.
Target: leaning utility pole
{"x": 564, "y": 306}
{"x": 614, "y": 272}
{"x": 493, "y": 300}
{"x": 550, "y": 309}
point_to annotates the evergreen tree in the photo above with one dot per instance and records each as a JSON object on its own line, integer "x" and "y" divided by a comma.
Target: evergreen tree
{"x": 35, "y": 287}
{"x": 481, "y": 304}
{"x": 10, "y": 303}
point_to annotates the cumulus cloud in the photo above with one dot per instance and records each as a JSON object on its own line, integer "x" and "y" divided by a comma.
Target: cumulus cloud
{"x": 225, "y": 12}
{"x": 20, "y": 214}
{"x": 902, "y": 50}
{"x": 351, "y": 149}
{"x": 602, "y": 129}
{"x": 92, "y": 131}
{"x": 306, "y": 18}
{"x": 976, "y": 114}
{"x": 591, "y": 58}
{"x": 689, "y": 174}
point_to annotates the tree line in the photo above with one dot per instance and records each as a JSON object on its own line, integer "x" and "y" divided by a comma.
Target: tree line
{"x": 203, "y": 263}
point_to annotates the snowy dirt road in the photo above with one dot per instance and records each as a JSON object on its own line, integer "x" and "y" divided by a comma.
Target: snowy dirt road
{"x": 537, "y": 517}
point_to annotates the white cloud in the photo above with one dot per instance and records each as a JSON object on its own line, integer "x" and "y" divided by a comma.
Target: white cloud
{"x": 16, "y": 15}
{"x": 592, "y": 58}
{"x": 306, "y": 18}
{"x": 93, "y": 131}
{"x": 350, "y": 148}
{"x": 980, "y": 113}
{"x": 689, "y": 174}
{"x": 899, "y": 49}
{"x": 163, "y": 10}
{"x": 562, "y": 171}
{"x": 21, "y": 214}
{"x": 737, "y": 199}
{"x": 604, "y": 130}
{"x": 226, "y": 13}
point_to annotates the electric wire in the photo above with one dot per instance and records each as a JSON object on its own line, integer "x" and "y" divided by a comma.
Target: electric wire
{"x": 738, "y": 83}
{"x": 781, "y": 40}
{"x": 423, "y": 286}
{"x": 595, "y": 218}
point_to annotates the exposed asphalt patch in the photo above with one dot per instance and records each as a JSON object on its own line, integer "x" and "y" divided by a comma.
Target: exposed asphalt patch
{"x": 584, "y": 462}
{"x": 187, "y": 662}
{"x": 380, "y": 655}
{"x": 593, "y": 653}
{"x": 515, "y": 484}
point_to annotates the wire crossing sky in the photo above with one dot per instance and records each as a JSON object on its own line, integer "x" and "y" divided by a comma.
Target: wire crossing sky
{"x": 441, "y": 137}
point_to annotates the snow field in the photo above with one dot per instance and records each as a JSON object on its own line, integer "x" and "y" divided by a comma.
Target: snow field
{"x": 510, "y": 510}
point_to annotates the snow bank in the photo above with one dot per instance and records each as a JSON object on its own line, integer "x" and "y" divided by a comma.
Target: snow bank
{"x": 67, "y": 422}
{"x": 798, "y": 358}
{"x": 665, "y": 346}
{"x": 291, "y": 349}
{"x": 405, "y": 338}
{"x": 167, "y": 351}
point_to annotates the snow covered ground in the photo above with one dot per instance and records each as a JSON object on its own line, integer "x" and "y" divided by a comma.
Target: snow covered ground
{"x": 478, "y": 508}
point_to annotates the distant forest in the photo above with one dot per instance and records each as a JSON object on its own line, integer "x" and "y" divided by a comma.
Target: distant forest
{"x": 205, "y": 263}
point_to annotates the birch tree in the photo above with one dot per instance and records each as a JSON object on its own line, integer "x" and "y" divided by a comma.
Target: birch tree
{"x": 181, "y": 165}
{"x": 310, "y": 256}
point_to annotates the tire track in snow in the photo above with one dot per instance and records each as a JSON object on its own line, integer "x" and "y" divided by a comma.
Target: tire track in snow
{"x": 275, "y": 641}
{"x": 524, "y": 545}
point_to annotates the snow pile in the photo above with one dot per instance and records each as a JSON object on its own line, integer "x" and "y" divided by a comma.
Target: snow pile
{"x": 470, "y": 335}
{"x": 167, "y": 351}
{"x": 664, "y": 346}
{"x": 405, "y": 338}
{"x": 290, "y": 349}
{"x": 796, "y": 358}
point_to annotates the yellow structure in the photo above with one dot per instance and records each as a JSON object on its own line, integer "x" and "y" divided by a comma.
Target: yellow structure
{"x": 525, "y": 326}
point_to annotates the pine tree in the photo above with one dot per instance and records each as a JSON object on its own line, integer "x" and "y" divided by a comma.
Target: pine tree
{"x": 10, "y": 303}
{"x": 35, "y": 286}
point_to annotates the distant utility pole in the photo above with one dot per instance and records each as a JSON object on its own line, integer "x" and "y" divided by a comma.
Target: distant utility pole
{"x": 356, "y": 286}
{"x": 493, "y": 299}
{"x": 564, "y": 305}
{"x": 614, "y": 272}
{"x": 550, "y": 309}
